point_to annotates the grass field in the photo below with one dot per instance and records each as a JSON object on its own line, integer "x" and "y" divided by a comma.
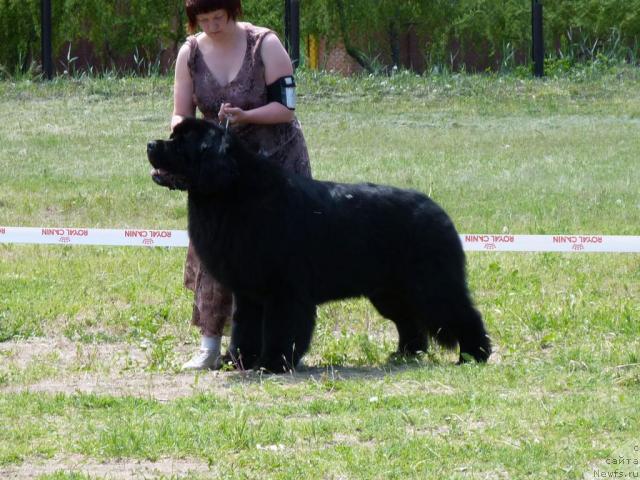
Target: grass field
{"x": 91, "y": 338}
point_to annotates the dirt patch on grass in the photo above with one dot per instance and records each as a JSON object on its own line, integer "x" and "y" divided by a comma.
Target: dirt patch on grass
{"x": 69, "y": 354}
{"x": 112, "y": 469}
{"x": 161, "y": 387}
{"x": 59, "y": 365}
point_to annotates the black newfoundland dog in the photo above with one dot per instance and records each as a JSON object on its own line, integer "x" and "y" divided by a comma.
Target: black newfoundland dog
{"x": 284, "y": 244}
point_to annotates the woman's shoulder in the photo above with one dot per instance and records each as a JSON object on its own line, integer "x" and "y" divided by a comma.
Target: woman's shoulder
{"x": 187, "y": 51}
{"x": 189, "y": 43}
{"x": 254, "y": 29}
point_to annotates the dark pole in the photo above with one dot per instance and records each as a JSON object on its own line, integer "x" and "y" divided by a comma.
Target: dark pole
{"x": 45, "y": 21}
{"x": 537, "y": 38}
{"x": 292, "y": 30}
{"x": 287, "y": 24}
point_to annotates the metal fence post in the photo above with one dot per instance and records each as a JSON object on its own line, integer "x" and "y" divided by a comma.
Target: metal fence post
{"x": 45, "y": 34}
{"x": 292, "y": 30}
{"x": 537, "y": 49}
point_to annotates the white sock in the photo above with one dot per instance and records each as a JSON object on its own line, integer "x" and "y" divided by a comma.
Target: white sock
{"x": 210, "y": 343}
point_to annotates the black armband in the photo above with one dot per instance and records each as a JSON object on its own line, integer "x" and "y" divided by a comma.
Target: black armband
{"x": 283, "y": 91}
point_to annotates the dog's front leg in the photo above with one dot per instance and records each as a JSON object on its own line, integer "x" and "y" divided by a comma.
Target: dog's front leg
{"x": 287, "y": 331}
{"x": 246, "y": 333}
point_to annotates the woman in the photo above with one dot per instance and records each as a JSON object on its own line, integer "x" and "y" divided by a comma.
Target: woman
{"x": 240, "y": 75}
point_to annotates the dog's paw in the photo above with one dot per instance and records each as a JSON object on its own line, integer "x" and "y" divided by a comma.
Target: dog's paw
{"x": 276, "y": 365}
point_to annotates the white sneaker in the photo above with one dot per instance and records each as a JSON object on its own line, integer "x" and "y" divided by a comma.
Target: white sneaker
{"x": 203, "y": 360}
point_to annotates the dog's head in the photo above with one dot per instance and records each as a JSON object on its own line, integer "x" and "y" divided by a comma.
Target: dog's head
{"x": 196, "y": 158}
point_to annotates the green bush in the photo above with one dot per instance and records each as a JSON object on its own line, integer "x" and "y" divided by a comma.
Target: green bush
{"x": 119, "y": 32}
{"x": 114, "y": 29}
{"x": 454, "y": 34}
{"x": 474, "y": 32}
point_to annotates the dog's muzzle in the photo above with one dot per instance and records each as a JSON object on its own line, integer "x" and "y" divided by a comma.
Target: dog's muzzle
{"x": 159, "y": 175}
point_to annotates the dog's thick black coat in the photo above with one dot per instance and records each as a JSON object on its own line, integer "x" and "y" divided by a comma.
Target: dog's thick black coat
{"x": 284, "y": 244}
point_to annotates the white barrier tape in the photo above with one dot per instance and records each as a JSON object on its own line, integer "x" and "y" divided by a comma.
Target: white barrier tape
{"x": 179, "y": 238}
{"x": 95, "y": 236}
{"x": 551, "y": 243}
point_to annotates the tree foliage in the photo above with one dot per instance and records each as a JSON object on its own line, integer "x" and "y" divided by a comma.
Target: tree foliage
{"x": 451, "y": 32}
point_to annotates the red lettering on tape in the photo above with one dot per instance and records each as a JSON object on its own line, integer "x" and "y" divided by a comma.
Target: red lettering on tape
{"x": 577, "y": 240}
{"x": 161, "y": 234}
{"x": 64, "y": 240}
{"x": 476, "y": 238}
{"x": 136, "y": 233}
{"x": 592, "y": 239}
{"x": 77, "y": 232}
{"x": 577, "y": 247}
{"x": 3, "y": 231}
{"x": 53, "y": 232}
{"x": 565, "y": 239}
{"x": 147, "y": 241}
{"x": 502, "y": 238}
{"x": 489, "y": 246}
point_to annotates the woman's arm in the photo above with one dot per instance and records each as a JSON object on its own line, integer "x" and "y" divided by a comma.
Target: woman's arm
{"x": 182, "y": 88}
{"x": 276, "y": 60}
{"x": 277, "y": 64}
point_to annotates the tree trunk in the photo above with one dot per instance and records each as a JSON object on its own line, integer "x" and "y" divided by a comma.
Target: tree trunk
{"x": 394, "y": 43}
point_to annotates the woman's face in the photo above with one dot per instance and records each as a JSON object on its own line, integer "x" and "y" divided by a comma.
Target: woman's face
{"x": 214, "y": 23}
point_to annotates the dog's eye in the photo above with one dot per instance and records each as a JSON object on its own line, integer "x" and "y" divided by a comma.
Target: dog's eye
{"x": 204, "y": 146}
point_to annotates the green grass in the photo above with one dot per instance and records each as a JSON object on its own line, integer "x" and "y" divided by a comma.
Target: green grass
{"x": 500, "y": 153}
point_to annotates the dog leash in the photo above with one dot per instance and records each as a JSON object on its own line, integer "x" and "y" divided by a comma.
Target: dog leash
{"x": 226, "y": 123}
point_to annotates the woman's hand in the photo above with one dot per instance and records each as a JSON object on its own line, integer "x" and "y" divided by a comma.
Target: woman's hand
{"x": 269, "y": 114}
{"x": 235, "y": 115}
{"x": 175, "y": 120}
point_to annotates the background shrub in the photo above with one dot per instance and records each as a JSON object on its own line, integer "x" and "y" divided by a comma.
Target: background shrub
{"x": 141, "y": 35}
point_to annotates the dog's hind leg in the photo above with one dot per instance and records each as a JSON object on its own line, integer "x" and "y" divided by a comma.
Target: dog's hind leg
{"x": 246, "y": 333}
{"x": 287, "y": 332}
{"x": 474, "y": 340}
{"x": 454, "y": 322}
{"x": 412, "y": 338}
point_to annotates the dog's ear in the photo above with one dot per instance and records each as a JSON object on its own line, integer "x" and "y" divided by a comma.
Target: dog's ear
{"x": 218, "y": 168}
{"x": 214, "y": 138}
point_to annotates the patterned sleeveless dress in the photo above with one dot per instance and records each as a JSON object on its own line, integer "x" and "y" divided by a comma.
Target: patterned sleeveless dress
{"x": 281, "y": 143}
